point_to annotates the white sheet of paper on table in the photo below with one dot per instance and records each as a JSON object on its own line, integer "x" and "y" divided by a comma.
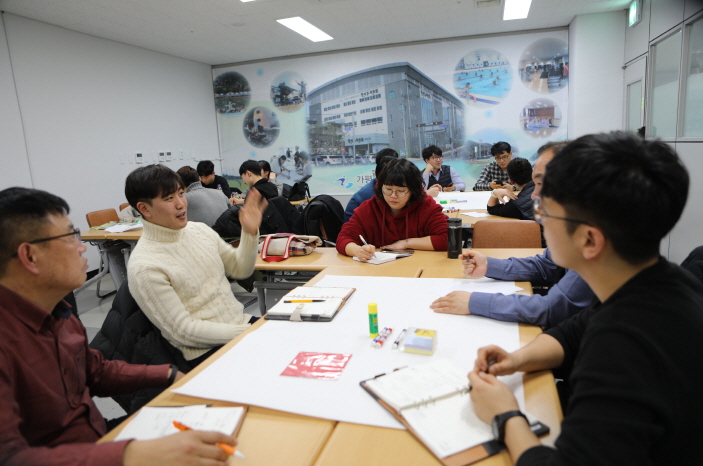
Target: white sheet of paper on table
{"x": 402, "y": 303}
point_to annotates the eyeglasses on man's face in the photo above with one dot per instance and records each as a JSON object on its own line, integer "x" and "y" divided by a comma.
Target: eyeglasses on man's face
{"x": 400, "y": 193}
{"x": 500, "y": 158}
{"x": 436, "y": 157}
{"x": 75, "y": 233}
{"x": 540, "y": 214}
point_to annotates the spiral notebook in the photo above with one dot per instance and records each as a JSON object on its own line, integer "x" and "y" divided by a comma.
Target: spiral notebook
{"x": 433, "y": 402}
{"x": 310, "y": 303}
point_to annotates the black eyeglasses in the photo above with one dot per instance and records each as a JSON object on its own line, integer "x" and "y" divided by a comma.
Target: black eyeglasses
{"x": 540, "y": 215}
{"x": 76, "y": 232}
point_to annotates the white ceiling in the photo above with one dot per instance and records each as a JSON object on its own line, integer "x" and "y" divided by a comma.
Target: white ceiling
{"x": 229, "y": 31}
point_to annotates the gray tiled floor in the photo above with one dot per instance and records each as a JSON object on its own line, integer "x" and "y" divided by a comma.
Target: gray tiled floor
{"x": 93, "y": 310}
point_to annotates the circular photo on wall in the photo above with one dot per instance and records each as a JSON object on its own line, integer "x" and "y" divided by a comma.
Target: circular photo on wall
{"x": 261, "y": 127}
{"x": 289, "y": 91}
{"x": 540, "y": 118}
{"x": 544, "y": 66}
{"x": 483, "y": 78}
{"x": 232, "y": 92}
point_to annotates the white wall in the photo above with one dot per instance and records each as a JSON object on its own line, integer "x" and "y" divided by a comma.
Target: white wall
{"x": 596, "y": 50}
{"x": 85, "y": 100}
{"x": 13, "y": 153}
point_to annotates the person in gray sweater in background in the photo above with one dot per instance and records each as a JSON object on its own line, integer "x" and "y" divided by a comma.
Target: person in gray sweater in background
{"x": 204, "y": 205}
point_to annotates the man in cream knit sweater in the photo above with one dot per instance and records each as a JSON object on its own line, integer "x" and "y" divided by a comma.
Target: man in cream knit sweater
{"x": 177, "y": 270}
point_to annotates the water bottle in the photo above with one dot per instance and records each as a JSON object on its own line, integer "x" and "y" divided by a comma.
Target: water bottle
{"x": 453, "y": 238}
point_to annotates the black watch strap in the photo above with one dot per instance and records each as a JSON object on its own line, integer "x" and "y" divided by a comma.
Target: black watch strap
{"x": 500, "y": 420}
{"x": 174, "y": 373}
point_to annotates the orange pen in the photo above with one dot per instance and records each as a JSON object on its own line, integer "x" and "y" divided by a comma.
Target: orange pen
{"x": 229, "y": 449}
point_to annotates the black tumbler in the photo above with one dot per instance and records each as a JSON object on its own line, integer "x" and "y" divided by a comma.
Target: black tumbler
{"x": 453, "y": 238}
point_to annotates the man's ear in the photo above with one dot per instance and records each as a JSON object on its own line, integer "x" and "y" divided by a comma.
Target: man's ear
{"x": 592, "y": 242}
{"x": 143, "y": 208}
{"x": 26, "y": 253}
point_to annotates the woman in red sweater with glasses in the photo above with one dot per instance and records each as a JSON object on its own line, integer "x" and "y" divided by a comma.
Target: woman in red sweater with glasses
{"x": 399, "y": 216}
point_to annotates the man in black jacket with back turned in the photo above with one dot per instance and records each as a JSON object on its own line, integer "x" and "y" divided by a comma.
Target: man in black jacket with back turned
{"x": 634, "y": 360}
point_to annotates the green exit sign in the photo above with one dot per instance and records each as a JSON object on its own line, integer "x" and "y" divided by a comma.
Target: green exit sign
{"x": 634, "y": 13}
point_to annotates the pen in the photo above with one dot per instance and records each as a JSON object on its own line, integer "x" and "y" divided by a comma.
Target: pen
{"x": 366, "y": 244}
{"x": 305, "y": 301}
{"x": 229, "y": 449}
{"x": 397, "y": 341}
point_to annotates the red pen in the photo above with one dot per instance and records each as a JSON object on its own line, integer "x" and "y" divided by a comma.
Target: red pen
{"x": 229, "y": 449}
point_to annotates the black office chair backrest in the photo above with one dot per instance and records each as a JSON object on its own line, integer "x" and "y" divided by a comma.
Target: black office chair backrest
{"x": 694, "y": 263}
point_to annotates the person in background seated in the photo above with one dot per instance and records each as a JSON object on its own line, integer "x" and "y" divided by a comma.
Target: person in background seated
{"x": 367, "y": 191}
{"x": 438, "y": 176}
{"x": 176, "y": 273}
{"x": 48, "y": 373}
{"x": 282, "y": 165}
{"x": 305, "y": 168}
{"x": 204, "y": 205}
{"x": 518, "y": 206}
{"x": 633, "y": 361}
{"x": 400, "y": 216}
{"x": 495, "y": 174}
{"x": 210, "y": 180}
{"x": 271, "y": 176}
{"x": 250, "y": 171}
{"x": 568, "y": 295}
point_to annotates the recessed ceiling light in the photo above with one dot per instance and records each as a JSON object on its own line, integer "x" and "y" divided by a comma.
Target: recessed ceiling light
{"x": 304, "y": 28}
{"x": 516, "y": 9}
{"x": 244, "y": 1}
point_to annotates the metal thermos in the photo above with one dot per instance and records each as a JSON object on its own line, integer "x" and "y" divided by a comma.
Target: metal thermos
{"x": 453, "y": 238}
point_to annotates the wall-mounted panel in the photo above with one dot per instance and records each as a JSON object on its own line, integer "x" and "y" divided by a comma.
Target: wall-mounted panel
{"x": 665, "y": 14}
{"x": 665, "y": 58}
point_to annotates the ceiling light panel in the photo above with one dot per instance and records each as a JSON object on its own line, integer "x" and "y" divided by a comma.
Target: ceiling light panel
{"x": 516, "y": 9}
{"x": 305, "y": 29}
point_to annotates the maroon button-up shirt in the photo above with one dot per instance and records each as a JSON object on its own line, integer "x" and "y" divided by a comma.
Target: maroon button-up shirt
{"x": 48, "y": 375}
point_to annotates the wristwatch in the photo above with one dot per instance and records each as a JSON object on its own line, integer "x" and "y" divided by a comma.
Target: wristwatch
{"x": 499, "y": 421}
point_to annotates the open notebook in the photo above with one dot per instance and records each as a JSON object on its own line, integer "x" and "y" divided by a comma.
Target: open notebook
{"x": 383, "y": 257}
{"x": 310, "y": 303}
{"x": 433, "y": 402}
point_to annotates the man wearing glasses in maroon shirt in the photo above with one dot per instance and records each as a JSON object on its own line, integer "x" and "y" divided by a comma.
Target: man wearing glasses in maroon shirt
{"x": 48, "y": 373}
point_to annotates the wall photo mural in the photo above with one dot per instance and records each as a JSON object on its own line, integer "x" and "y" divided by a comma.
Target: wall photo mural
{"x": 330, "y": 114}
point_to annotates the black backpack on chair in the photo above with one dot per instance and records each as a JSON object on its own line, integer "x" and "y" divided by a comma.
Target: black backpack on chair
{"x": 300, "y": 190}
{"x": 323, "y": 217}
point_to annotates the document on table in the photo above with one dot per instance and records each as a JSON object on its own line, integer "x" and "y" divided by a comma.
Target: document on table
{"x": 402, "y": 303}
{"x": 119, "y": 228}
{"x": 156, "y": 422}
{"x": 382, "y": 257}
{"x": 476, "y": 214}
{"x": 464, "y": 201}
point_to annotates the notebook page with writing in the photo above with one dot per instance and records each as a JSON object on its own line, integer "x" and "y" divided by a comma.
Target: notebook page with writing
{"x": 417, "y": 385}
{"x": 332, "y": 299}
{"x": 381, "y": 258}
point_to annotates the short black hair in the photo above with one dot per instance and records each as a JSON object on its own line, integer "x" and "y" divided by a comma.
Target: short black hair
{"x": 250, "y": 166}
{"x": 500, "y": 147}
{"x": 205, "y": 168}
{"x": 387, "y": 152}
{"x": 188, "y": 175}
{"x": 150, "y": 182}
{"x": 401, "y": 172}
{"x": 382, "y": 164}
{"x": 520, "y": 171}
{"x": 587, "y": 177}
{"x": 23, "y": 217}
{"x": 265, "y": 166}
{"x": 428, "y": 151}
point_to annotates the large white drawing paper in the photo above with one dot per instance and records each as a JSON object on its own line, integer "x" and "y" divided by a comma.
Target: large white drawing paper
{"x": 250, "y": 372}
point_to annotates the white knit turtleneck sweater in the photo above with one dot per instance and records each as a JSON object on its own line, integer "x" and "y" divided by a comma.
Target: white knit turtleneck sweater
{"x": 178, "y": 279}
